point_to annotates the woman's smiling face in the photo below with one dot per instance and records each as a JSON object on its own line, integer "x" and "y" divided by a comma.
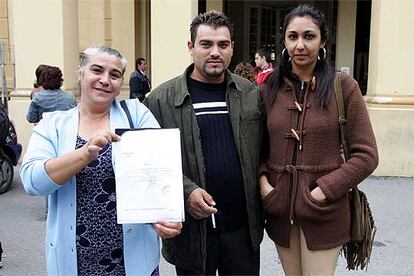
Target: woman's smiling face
{"x": 101, "y": 79}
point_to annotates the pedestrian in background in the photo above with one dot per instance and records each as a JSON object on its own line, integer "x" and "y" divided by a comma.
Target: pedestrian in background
{"x": 245, "y": 70}
{"x": 219, "y": 116}
{"x": 304, "y": 181}
{"x": 139, "y": 83}
{"x": 263, "y": 65}
{"x": 51, "y": 98}
{"x": 70, "y": 158}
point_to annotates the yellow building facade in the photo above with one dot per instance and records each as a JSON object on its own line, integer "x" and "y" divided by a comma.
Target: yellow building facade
{"x": 56, "y": 31}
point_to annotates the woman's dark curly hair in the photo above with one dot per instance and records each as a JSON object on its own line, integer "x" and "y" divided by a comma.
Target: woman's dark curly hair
{"x": 50, "y": 78}
{"x": 245, "y": 70}
{"x": 38, "y": 73}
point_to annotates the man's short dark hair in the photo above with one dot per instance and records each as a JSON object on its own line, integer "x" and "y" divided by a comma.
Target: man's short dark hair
{"x": 138, "y": 62}
{"x": 264, "y": 53}
{"x": 213, "y": 19}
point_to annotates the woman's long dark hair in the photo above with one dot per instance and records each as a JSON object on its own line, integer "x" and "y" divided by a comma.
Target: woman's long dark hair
{"x": 324, "y": 73}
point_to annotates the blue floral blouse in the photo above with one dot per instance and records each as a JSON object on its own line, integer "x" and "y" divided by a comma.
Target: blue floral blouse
{"x": 99, "y": 237}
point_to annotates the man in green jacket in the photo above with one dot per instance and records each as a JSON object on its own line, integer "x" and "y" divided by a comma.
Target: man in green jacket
{"x": 219, "y": 116}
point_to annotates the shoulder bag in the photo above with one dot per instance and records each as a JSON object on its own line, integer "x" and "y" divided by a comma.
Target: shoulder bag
{"x": 358, "y": 250}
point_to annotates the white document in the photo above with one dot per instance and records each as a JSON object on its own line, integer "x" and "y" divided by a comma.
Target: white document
{"x": 148, "y": 174}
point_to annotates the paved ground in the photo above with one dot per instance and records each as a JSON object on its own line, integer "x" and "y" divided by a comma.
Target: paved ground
{"x": 22, "y": 230}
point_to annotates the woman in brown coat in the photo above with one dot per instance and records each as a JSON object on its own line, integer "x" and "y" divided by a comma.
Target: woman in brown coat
{"x": 303, "y": 179}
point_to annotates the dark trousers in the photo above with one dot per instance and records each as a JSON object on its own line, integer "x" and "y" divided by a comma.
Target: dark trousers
{"x": 230, "y": 253}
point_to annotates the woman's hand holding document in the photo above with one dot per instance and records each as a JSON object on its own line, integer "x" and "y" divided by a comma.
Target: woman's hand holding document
{"x": 148, "y": 174}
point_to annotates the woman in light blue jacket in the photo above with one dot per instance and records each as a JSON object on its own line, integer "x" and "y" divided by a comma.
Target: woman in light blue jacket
{"x": 69, "y": 158}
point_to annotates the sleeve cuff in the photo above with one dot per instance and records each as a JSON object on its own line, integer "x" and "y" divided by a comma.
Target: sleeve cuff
{"x": 263, "y": 169}
{"x": 328, "y": 193}
{"x": 42, "y": 183}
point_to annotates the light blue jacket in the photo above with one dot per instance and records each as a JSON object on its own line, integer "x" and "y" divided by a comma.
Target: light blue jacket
{"x": 55, "y": 135}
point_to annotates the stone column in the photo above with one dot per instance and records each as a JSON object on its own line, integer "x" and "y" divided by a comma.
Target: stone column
{"x": 143, "y": 33}
{"x": 5, "y": 37}
{"x": 123, "y": 36}
{"x": 170, "y": 31}
{"x": 390, "y": 95}
{"x": 93, "y": 27}
{"x": 43, "y": 32}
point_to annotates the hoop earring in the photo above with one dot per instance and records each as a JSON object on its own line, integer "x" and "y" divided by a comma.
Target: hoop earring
{"x": 323, "y": 54}
{"x": 284, "y": 51}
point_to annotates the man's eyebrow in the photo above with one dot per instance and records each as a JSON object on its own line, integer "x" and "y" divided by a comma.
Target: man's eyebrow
{"x": 211, "y": 41}
{"x": 205, "y": 40}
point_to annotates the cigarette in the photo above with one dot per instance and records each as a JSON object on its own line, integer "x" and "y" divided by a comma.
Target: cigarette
{"x": 213, "y": 220}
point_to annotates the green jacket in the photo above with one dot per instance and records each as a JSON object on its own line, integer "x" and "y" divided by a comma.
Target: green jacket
{"x": 172, "y": 107}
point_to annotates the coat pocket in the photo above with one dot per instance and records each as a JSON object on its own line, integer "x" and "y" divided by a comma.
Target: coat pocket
{"x": 313, "y": 200}
{"x": 251, "y": 124}
{"x": 269, "y": 202}
{"x": 275, "y": 203}
{"x": 311, "y": 209}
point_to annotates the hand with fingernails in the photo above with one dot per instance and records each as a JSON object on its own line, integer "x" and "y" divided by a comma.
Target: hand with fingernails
{"x": 166, "y": 229}
{"x": 200, "y": 204}
{"x": 97, "y": 142}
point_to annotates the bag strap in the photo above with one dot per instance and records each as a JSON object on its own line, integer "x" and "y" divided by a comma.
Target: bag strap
{"x": 342, "y": 120}
{"x": 341, "y": 114}
{"x": 128, "y": 114}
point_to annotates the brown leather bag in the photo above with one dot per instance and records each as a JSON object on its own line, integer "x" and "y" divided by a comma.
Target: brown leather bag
{"x": 358, "y": 250}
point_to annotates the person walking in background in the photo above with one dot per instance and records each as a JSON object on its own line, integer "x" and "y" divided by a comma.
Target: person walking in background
{"x": 139, "y": 83}
{"x": 263, "y": 65}
{"x": 52, "y": 98}
{"x": 37, "y": 86}
{"x": 304, "y": 182}
{"x": 245, "y": 70}
{"x": 70, "y": 158}
{"x": 219, "y": 116}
